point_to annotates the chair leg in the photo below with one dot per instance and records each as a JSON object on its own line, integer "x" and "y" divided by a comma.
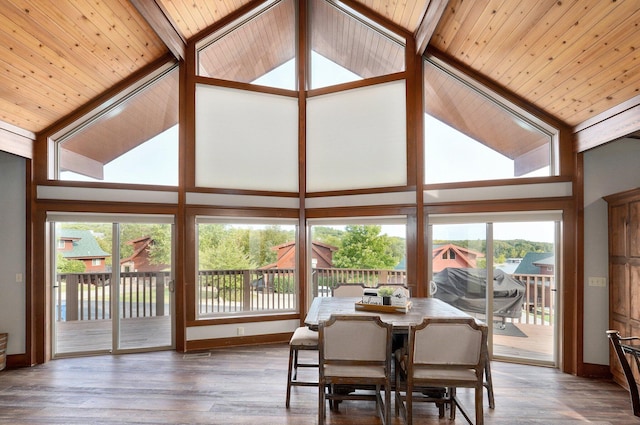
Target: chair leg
{"x": 321, "y": 403}
{"x": 488, "y": 384}
{"x": 409, "y": 405}
{"x": 289, "y": 374}
{"x": 452, "y": 397}
{"x": 387, "y": 405}
{"x": 479, "y": 407}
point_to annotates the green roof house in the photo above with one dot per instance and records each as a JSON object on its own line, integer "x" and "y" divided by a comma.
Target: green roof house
{"x": 82, "y": 245}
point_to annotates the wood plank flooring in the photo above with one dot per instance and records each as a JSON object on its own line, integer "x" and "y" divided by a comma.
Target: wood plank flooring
{"x": 246, "y": 385}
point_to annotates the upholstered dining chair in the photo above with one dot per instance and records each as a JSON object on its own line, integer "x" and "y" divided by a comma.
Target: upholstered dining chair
{"x": 306, "y": 339}
{"x": 303, "y": 339}
{"x": 355, "y": 351}
{"x": 442, "y": 353}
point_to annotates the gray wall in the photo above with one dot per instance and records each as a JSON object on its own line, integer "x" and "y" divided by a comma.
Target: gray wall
{"x": 12, "y": 251}
{"x": 608, "y": 169}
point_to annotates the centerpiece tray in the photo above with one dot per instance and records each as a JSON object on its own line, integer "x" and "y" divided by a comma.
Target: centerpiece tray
{"x": 384, "y": 308}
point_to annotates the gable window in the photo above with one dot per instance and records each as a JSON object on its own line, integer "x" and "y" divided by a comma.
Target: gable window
{"x": 367, "y": 50}
{"x": 473, "y": 135}
{"x": 115, "y": 145}
{"x": 221, "y": 57}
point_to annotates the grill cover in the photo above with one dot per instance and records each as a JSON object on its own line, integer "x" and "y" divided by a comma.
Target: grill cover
{"x": 466, "y": 289}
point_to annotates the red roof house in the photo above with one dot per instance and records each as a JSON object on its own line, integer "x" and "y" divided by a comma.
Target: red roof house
{"x": 450, "y": 255}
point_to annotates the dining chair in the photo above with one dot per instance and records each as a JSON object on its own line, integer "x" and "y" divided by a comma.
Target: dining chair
{"x": 621, "y": 350}
{"x": 355, "y": 351}
{"x": 348, "y": 290}
{"x": 445, "y": 353}
{"x": 303, "y": 339}
{"x": 306, "y": 339}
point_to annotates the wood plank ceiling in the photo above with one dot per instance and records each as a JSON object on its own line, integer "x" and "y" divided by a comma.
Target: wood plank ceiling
{"x": 573, "y": 59}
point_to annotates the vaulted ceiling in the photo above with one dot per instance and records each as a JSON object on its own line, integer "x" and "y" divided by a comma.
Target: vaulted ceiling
{"x": 572, "y": 59}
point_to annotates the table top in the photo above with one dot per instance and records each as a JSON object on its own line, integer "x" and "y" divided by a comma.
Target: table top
{"x": 323, "y": 307}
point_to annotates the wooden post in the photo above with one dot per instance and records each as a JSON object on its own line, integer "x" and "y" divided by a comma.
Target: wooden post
{"x": 71, "y": 303}
{"x": 160, "y": 285}
{"x": 246, "y": 290}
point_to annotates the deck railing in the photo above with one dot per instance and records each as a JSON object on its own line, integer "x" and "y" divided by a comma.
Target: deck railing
{"x": 86, "y": 296}
{"x": 539, "y": 301}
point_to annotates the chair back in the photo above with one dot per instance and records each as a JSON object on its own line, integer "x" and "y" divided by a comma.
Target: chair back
{"x": 348, "y": 290}
{"x": 355, "y": 339}
{"x": 454, "y": 342}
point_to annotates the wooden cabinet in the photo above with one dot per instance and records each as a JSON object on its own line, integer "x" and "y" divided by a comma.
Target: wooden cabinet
{"x": 624, "y": 270}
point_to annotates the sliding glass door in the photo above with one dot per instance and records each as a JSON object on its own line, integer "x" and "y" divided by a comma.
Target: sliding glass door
{"x": 112, "y": 284}
{"x": 501, "y": 270}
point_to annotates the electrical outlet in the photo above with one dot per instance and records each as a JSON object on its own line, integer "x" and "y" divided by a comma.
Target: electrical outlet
{"x": 600, "y": 282}
{"x": 18, "y": 277}
{"x": 240, "y": 330}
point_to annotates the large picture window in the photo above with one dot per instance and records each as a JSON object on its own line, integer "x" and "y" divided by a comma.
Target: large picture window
{"x": 370, "y": 251}
{"x": 245, "y": 267}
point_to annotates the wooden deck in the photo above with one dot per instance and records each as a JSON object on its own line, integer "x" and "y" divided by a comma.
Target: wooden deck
{"x": 95, "y": 335}
{"x": 246, "y": 385}
{"x": 82, "y": 336}
{"x": 536, "y": 345}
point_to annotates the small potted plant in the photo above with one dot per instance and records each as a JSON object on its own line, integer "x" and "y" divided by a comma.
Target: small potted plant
{"x": 385, "y": 292}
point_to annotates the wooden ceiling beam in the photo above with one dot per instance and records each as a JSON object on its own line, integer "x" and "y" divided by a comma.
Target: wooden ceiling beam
{"x": 428, "y": 24}
{"x": 159, "y": 20}
{"x": 16, "y": 141}
{"x": 613, "y": 124}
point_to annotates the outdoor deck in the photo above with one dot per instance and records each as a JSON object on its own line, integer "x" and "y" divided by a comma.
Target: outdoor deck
{"x": 95, "y": 335}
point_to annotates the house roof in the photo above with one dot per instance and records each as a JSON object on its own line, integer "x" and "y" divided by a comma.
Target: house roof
{"x": 85, "y": 244}
{"x": 528, "y": 263}
{"x": 139, "y": 244}
{"x": 573, "y": 62}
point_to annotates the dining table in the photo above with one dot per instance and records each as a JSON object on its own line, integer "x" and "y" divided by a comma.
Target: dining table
{"x": 323, "y": 307}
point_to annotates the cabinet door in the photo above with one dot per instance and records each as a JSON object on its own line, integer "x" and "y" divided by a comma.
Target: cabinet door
{"x": 619, "y": 290}
{"x": 634, "y": 229}
{"x": 618, "y": 230}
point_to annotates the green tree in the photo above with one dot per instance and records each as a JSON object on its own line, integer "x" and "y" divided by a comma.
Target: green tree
{"x": 363, "y": 247}
{"x": 69, "y": 266}
{"x": 229, "y": 253}
{"x": 328, "y": 235}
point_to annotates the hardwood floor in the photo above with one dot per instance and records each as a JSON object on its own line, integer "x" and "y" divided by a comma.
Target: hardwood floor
{"x": 246, "y": 385}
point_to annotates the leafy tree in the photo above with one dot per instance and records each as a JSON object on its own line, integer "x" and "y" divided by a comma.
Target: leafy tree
{"x": 69, "y": 266}
{"x": 228, "y": 254}
{"x": 328, "y": 235}
{"x": 363, "y": 247}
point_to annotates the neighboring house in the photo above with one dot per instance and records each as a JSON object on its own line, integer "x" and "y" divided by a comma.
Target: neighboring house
{"x": 321, "y": 256}
{"x": 81, "y": 245}
{"x": 510, "y": 265}
{"x": 140, "y": 260}
{"x": 536, "y": 263}
{"x": 454, "y": 256}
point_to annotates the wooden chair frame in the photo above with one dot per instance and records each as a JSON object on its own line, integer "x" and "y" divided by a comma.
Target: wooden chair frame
{"x": 302, "y": 339}
{"x": 409, "y": 381}
{"x": 621, "y": 350}
{"x": 356, "y": 362}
